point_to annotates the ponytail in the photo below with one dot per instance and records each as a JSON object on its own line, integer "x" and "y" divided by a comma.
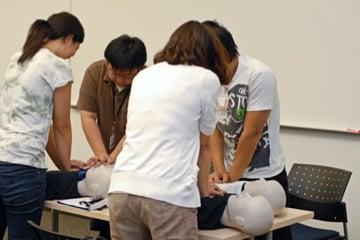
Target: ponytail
{"x": 58, "y": 25}
{"x": 40, "y": 32}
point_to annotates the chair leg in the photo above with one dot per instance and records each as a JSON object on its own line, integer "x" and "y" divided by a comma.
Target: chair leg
{"x": 345, "y": 231}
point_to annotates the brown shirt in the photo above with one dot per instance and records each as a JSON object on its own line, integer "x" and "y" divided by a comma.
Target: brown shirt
{"x": 98, "y": 94}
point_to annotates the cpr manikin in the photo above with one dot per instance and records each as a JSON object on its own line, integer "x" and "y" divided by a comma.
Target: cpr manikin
{"x": 251, "y": 210}
{"x": 271, "y": 190}
{"x": 97, "y": 182}
{"x": 252, "y": 215}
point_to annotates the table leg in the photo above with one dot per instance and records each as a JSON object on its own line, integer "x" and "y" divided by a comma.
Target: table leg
{"x": 55, "y": 220}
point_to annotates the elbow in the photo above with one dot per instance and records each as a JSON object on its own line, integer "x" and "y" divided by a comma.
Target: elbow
{"x": 252, "y": 133}
{"x": 64, "y": 126}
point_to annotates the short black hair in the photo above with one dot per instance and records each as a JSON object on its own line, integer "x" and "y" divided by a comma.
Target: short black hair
{"x": 225, "y": 37}
{"x": 126, "y": 53}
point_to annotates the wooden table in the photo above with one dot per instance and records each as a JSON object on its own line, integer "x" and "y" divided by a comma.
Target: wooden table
{"x": 289, "y": 217}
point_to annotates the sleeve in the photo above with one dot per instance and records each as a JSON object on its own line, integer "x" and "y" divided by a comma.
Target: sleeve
{"x": 88, "y": 91}
{"x": 58, "y": 73}
{"x": 209, "y": 95}
{"x": 262, "y": 92}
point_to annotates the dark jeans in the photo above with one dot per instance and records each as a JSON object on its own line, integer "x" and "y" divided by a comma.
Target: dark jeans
{"x": 282, "y": 233}
{"x": 63, "y": 185}
{"x": 22, "y": 194}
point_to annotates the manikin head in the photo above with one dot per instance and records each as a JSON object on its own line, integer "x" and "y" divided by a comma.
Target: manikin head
{"x": 252, "y": 215}
{"x": 97, "y": 182}
{"x": 271, "y": 190}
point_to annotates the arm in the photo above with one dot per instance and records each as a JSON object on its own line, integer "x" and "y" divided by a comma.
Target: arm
{"x": 116, "y": 150}
{"x": 53, "y": 154}
{"x": 217, "y": 157}
{"x": 204, "y": 165}
{"x": 61, "y": 127}
{"x": 92, "y": 132}
{"x": 253, "y": 127}
{"x": 51, "y": 149}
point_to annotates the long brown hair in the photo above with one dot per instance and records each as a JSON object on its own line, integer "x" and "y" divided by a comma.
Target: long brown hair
{"x": 41, "y": 31}
{"x": 193, "y": 44}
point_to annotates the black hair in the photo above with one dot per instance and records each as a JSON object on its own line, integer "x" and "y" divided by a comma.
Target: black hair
{"x": 126, "y": 53}
{"x": 225, "y": 37}
{"x": 56, "y": 26}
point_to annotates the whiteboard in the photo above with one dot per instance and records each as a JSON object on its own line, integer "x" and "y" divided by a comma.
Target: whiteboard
{"x": 313, "y": 46}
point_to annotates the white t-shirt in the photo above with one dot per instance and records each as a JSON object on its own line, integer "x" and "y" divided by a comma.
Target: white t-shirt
{"x": 26, "y": 106}
{"x": 169, "y": 106}
{"x": 253, "y": 88}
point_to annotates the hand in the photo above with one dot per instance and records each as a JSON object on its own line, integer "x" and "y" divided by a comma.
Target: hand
{"x": 98, "y": 160}
{"x": 215, "y": 189}
{"x": 219, "y": 177}
{"x": 77, "y": 164}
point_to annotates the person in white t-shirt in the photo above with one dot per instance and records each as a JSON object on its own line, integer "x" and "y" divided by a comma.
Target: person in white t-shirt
{"x": 162, "y": 170}
{"x": 246, "y": 143}
{"x": 34, "y": 116}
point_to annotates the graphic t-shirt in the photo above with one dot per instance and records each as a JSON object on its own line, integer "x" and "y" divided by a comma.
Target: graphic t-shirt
{"x": 26, "y": 106}
{"x": 253, "y": 88}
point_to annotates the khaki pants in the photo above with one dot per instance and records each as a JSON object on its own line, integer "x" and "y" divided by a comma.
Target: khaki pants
{"x": 136, "y": 217}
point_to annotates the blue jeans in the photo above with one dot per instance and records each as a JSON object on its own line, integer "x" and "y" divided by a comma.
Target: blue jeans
{"x": 22, "y": 193}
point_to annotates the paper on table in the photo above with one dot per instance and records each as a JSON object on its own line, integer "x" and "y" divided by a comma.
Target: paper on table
{"x": 87, "y": 203}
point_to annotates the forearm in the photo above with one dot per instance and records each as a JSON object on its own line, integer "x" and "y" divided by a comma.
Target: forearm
{"x": 93, "y": 136}
{"x": 62, "y": 137}
{"x": 51, "y": 149}
{"x": 117, "y": 150}
{"x": 204, "y": 166}
{"x": 217, "y": 150}
{"x": 244, "y": 154}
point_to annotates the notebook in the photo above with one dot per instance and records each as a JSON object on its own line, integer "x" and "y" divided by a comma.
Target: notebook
{"x": 87, "y": 203}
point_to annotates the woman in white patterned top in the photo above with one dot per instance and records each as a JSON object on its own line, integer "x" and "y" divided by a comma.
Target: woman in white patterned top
{"x": 34, "y": 116}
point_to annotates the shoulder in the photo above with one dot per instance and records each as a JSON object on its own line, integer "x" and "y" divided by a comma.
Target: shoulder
{"x": 46, "y": 57}
{"x": 258, "y": 71}
{"x": 13, "y": 65}
{"x": 255, "y": 65}
{"x": 96, "y": 71}
{"x": 99, "y": 65}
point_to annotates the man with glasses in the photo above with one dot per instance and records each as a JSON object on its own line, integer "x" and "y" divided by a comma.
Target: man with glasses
{"x": 103, "y": 101}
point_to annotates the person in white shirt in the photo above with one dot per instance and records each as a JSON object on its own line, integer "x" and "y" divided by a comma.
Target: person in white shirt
{"x": 246, "y": 143}
{"x": 34, "y": 116}
{"x": 162, "y": 170}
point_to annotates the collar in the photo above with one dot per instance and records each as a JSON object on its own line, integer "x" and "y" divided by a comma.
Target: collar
{"x": 106, "y": 75}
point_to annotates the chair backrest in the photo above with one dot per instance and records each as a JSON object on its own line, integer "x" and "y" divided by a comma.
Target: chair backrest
{"x": 318, "y": 183}
{"x": 319, "y": 189}
{"x": 43, "y": 234}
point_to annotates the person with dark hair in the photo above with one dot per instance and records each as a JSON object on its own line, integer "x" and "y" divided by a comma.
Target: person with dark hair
{"x": 36, "y": 93}
{"x": 104, "y": 96}
{"x": 246, "y": 143}
{"x": 162, "y": 170}
{"x": 103, "y": 102}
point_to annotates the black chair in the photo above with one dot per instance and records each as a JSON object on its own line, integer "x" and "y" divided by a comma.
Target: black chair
{"x": 44, "y": 234}
{"x": 319, "y": 189}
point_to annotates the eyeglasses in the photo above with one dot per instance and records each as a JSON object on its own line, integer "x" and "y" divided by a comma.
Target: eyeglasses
{"x": 123, "y": 74}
